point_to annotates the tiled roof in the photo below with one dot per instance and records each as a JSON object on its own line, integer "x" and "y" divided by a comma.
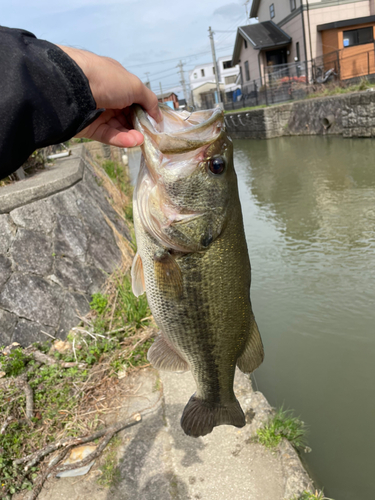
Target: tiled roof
{"x": 261, "y": 36}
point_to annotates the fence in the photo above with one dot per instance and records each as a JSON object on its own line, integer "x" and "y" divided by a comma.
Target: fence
{"x": 286, "y": 82}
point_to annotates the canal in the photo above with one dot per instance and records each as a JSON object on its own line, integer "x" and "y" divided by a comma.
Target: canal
{"x": 309, "y": 215}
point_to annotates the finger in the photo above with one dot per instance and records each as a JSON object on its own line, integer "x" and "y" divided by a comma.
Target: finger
{"x": 148, "y": 100}
{"x": 108, "y": 135}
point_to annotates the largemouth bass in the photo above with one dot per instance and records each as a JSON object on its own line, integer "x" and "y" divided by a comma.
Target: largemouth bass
{"x": 192, "y": 261}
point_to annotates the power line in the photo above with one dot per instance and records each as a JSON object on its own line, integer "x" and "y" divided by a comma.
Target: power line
{"x": 236, "y": 23}
{"x": 173, "y": 59}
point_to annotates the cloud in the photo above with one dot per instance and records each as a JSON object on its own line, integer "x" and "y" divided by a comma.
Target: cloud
{"x": 143, "y": 36}
{"x": 230, "y": 10}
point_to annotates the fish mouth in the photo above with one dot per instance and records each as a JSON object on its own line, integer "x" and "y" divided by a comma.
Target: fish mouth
{"x": 180, "y": 132}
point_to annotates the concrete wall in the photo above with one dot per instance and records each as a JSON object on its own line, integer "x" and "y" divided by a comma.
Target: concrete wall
{"x": 56, "y": 249}
{"x": 351, "y": 115}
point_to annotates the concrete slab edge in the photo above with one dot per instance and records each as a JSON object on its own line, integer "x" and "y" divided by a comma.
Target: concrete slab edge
{"x": 296, "y": 478}
{"x": 41, "y": 186}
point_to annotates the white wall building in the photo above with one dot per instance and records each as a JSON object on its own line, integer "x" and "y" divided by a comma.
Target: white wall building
{"x": 204, "y": 73}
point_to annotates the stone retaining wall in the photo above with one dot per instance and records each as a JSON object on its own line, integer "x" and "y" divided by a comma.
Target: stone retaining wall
{"x": 56, "y": 249}
{"x": 350, "y": 115}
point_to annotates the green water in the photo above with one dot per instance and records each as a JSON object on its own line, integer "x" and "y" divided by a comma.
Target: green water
{"x": 309, "y": 213}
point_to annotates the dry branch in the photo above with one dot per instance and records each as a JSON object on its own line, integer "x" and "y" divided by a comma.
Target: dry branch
{"x": 25, "y": 386}
{"x": 108, "y": 433}
{"x": 42, "y": 478}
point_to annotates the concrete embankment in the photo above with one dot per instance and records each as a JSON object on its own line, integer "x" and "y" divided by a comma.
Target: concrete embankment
{"x": 349, "y": 115}
{"x": 57, "y": 248}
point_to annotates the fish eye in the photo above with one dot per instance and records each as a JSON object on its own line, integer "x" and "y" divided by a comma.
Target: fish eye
{"x": 217, "y": 165}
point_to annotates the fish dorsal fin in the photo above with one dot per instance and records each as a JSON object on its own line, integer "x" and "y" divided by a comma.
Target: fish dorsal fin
{"x": 253, "y": 353}
{"x": 168, "y": 275}
{"x": 164, "y": 357}
{"x": 138, "y": 279}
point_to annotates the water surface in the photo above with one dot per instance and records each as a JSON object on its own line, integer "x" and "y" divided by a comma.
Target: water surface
{"x": 309, "y": 214}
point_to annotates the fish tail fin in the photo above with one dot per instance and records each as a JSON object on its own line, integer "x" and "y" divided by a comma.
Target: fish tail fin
{"x": 200, "y": 417}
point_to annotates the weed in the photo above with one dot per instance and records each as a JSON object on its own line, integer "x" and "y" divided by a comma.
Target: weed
{"x": 308, "y": 495}
{"x": 14, "y": 363}
{"x": 250, "y": 108}
{"x": 131, "y": 309}
{"x": 335, "y": 89}
{"x": 283, "y": 425}
{"x": 110, "y": 471}
{"x": 99, "y": 303}
{"x": 114, "y": 340}
{"x": 128, "y": 212}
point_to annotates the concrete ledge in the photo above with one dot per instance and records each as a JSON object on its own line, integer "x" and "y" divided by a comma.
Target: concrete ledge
{"x": 65, "y": 174}
{"x": 349, "y": 115}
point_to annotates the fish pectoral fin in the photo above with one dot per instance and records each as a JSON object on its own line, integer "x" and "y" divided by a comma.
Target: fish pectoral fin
{"x": 253, "y": 353}
{"x": 200, "y": 417}
{"x": 168, "y": 275}
{"x": 138, "y": 279}
{"x": 164, "y": 357}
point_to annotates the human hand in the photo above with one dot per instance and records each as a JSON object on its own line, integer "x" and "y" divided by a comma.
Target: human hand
{"x": 114, "y": 89}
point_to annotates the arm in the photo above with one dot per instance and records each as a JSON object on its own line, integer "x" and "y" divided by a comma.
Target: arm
{"x": 50, "y": 94}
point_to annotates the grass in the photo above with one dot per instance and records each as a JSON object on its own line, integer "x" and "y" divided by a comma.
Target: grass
{"x": 110, "y": 472}
{"x": 246, "y": 109}
{"x": 335, "y": 89}
{"x": 283, "y": 425}
{"x": 60, "y": 394}
{"x": 115, "y": 336}
{"x": 118, "y": 173}
{"x": 327, "y": 90}
{"x": 308, "y": 495}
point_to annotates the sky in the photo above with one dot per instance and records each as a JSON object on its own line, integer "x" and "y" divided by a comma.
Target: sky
{"x": 144, "y": 36}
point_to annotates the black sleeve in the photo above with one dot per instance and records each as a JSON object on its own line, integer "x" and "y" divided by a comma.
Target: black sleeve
{"x": 44, "y": 97}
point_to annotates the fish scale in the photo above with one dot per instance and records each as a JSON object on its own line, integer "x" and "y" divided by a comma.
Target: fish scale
{"x": 196, "y": 272}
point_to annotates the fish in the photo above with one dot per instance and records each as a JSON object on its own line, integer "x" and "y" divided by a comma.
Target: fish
{"x": 192, "y": 261}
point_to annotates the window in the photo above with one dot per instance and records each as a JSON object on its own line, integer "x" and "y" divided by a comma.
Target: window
{"x": 195, "y": 75}
{"x": 292, "y": 5}
{"x": 245, "y": 43}
{"x": 213, "y": 69}
{"x": 247, "y": 72}
{"x": 297, "y": 51}
{"x": 358, "y": 37}
{"x": 230, "y": 79}
{"x": 272, "y": 10}
{"x": 227, "y": 64}
{"x": 202, "y": 72}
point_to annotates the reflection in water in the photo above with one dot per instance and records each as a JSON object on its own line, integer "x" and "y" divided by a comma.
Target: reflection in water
{"x": 309, "y": 215}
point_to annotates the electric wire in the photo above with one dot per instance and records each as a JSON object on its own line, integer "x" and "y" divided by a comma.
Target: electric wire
{"x": 172, "y": 59}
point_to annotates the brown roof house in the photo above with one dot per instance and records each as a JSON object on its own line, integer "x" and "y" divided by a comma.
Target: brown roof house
{"x": 170, "y": 98}
{"x": 295, "y": 31}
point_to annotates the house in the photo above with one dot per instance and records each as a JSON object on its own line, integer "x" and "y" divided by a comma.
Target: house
{"x": 295, "y": 32}
{"x": 168, "y": 96}
{"x": 204, "y": 96}
{"x": 201, "y": 74}
{"x": 205, "y": 74}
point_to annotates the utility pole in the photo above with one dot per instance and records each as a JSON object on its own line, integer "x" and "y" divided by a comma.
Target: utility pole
{"x": 161, "y": 92}
{"x": 181, "y": 66}
{"x": 147, "y": 82}
{"x": 211, "y": 35}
